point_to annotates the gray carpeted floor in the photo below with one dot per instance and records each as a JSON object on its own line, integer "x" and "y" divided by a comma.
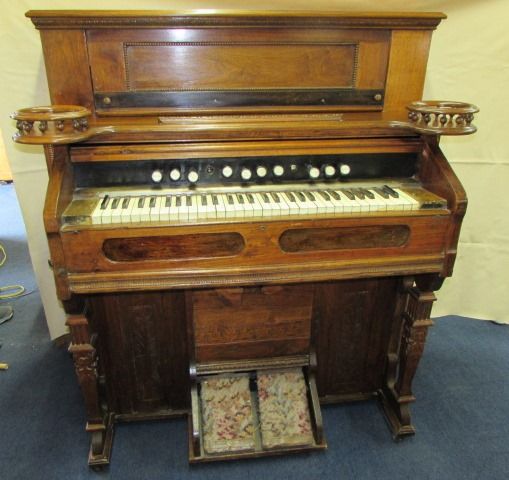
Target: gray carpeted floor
{"x": 461, "y": 413}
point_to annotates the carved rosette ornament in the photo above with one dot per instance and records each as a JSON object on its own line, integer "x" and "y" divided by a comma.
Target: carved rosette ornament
{"x": 55, "y": 124}
{"x": 442, "y": 117}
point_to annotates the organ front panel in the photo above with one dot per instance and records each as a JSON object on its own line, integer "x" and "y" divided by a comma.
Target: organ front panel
{"x": 244, "y": 205}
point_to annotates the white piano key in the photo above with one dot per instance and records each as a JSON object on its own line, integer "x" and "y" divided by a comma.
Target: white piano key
{"x": 95, "y": 216}
{"x": 116, "y": 209}
{"x": 145, "y": 211}
{"x": 127, "y": 206}
{"x": 174, "y": 209}
{"x": 291, "y": 202}
{"x": 318, "y": 201}
{"x": 155, "y": 208}
{"x": 229, "y": 205}
{"x": 182, "y": 208}
{"x": 276, "y": 207}
{"x": 238, "y": 205}
{"x": 268, "y": 208}
{"x": 309, "y": 206}
{"x": 379, "y": 202}
{"x": 349, "y": 205}
{"x": 336, "y": 200}
{"x": 326, "y": 200}
{"x": 138, "y": 209}
{"x": 202, "y": 206}
{"x": 164, "y": 208}
{"x": 210, "y": 209}
{"x": 217, "y": 200}
{"x": 407, "y": 200}
{"x": 107, "y": 211}
{"x": 277, "y": 197}
{"x": 255, "y": 203}
{"x": 246, "y": 205}
{"x": 192, "y": 203}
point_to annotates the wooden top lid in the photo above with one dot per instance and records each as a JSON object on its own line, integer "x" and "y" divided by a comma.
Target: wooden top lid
{"x": 207, "y": 17}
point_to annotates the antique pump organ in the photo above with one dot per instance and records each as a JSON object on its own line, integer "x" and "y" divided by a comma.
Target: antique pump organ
{"x": 244, "y": 206}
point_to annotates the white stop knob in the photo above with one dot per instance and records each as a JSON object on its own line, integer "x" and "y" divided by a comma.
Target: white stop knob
{"x": 330, "y": 171}
{"x": 193, "y": 176}
{"x": 344, "y": 169}
{"x": 278, "y": 170}
{"x": 261, "y": 171}
{"x": 227, "y": 171}
{"x": 314, "y": 172}
{"x": 157, "y": 176}
{"x": 245, "y": 173}
{"x": 175, "y": 174}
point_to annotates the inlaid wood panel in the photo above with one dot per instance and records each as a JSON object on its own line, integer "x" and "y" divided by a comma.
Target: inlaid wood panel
{"x": 216, "y": 68}
{"x": 195, "y": 66}
{"x": 170, "y": 247}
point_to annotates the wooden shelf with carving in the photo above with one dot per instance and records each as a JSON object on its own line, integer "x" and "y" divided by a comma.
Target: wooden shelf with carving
{"x": 442, "y": 117}
{"x": 55, "y": 124}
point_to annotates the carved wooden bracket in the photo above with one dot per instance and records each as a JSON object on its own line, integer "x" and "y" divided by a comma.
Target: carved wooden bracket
{"x": 55, "y": 124}
{"x": 442, "y": 117}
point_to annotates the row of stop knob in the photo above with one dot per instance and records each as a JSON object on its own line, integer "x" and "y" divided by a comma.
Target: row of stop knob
{"x": 260, "y": 171}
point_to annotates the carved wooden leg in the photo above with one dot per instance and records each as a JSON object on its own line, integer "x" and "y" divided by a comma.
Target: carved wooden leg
{"x": 405, "y": 351}
{"x": 99, "y": 421}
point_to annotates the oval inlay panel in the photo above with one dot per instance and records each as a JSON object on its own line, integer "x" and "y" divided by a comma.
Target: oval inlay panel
{"x": 343, "y": 238}
{"x": 173, "y": 247}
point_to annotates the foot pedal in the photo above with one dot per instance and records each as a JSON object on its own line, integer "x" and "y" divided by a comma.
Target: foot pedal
{"x": 255, "y": 413}
{"x": 284, "y": 411}
{"x": 227, "y": 415}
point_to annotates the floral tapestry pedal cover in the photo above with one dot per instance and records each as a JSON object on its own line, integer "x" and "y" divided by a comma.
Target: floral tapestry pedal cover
{"x": 227, "y": 415}
{"x": 284, "y": 412}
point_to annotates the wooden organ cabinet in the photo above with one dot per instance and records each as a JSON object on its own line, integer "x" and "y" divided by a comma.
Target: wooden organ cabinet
{"x": 244, "y": 208}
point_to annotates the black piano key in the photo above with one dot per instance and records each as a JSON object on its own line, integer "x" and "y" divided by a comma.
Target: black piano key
{"x": 215, "y": 201}
{"x": 167, "y": 202}
{"x": 229, "y": 197}
{"x": 348, "y": 194}
{"x": 290, "y": 197}
{"x": 189, "y": 201}
{"x": 265, "y": 197}
{"x": 141, "y": 202}
{"x": 381, "y": 192}
{"x": 178, "y": 201}
{"x": 334, "y": 195}
{"x": 275, "y": 196}
{"x": 105, "y": 202}
{"x": 204, "y": 200}
{"x": 250, "y": 198}
{"x": 152, "y": 202}
{"x": 390, "y": 191}
{"x": 300, "y": 196}
{"x": 125, "y": 203}
{"x": 368, "y": 193}
{"x": 240, "y": 198}
{"x": 310, "y": 196}
{"x": 114, "y": 203}
{"x": 358, "y": 193}
{"x": 324, "y": 195}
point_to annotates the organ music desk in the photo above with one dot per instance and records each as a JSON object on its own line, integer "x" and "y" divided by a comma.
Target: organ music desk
{"x": 242, "y": 199}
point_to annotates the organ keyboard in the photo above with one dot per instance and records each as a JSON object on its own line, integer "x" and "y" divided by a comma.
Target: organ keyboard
{"x": 174, "y": 206}
{"x": 215, "y": 218}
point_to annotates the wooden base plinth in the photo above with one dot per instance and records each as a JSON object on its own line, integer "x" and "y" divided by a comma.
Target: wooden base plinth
{"x": 101, "y": 444}
{"x": 397, "y": 415}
